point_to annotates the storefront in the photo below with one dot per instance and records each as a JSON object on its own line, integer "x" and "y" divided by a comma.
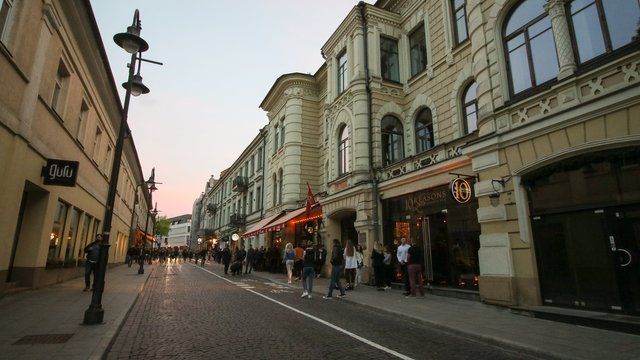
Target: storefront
{"x": 585, "y": 216}
{"x": 444, "y": 224}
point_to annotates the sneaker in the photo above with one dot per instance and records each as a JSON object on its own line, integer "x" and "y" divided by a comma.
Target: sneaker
{"x": 387, "y": 287}
{"x": 305, "y": 293}
{"x": 342, "y": 295}
{"x": 308, "y": 296}
{"x": 327, "y": 297}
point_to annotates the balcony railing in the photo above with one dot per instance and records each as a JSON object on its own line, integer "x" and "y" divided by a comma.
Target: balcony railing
{"x": 237, "y": 219}
{"x": 240, "y": 184}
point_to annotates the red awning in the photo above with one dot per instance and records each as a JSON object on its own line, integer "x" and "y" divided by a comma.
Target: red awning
{"x": 257, "y": 228}
{"x": 282, "y": 222}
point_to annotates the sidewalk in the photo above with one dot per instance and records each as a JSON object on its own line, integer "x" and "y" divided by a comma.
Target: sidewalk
{"x": 55, "y": 314}
{"x": 63, "y": 306}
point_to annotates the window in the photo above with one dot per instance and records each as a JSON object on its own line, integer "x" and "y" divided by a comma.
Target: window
{"x": 460, "y": 20}
{"x": 280, "y": 179}
{"x": 258, "y": 198}
{"x": 6, "y": 7}
{"x": 274, "y": 185}
{"x": 602, "y": 26}
{"x": 424, "y": 131}
{"x": 418, "y": 50}
{"x": 281, "y": 133}
{"x": 392, "y": 140}
{"x": 82, "y": 121}
{"x": 342, "y": 72}
{"x": 107, "y": 159}
{"x": 60, "y": 88}
{"x": 343, "y": 151}
{"x": 276, "y": 139}
{"x": 57, "y": 231}
{"x": 97, "y": 140}
{"x": 532, "y": 57}
{"x": 389, "y": 68}
{"x": 252, "y": 164}
{"x": 470, "y": 106}
{"x": 259, "y": 158}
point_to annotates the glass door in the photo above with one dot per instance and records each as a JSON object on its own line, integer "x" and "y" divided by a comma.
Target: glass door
{"x": 625, "y": 244}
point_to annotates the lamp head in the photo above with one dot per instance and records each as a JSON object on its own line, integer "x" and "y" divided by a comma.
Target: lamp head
{"x": 131, "y": 41}
{"x": 137, "y": 87}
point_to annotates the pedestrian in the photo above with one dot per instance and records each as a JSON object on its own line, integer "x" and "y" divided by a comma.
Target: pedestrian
{"x": 131, "y": 254}
{"x": 321, "y": 258}
{"x": 226, "y": 259}
{"x": 389, "y": 269}
{"x": 251, "y": 254}
{"x": 203, "y": 256}
{"x": 350, "y": 264}
{"x": 403, "y": 252}
{"x": 308, "y": 272}
{"x": 414, "y": 268}
{"x": 359, "y": 264}
{"x": 92, "y": 252}
{"x": 377, "y": 262}
{"x": 297, "y": 264}
{"x": 289, "y": 259}
{"x": 337, "y": 259}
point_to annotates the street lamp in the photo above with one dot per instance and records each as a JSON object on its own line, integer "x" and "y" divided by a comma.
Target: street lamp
{"x": 151, "y": 185}
{"x": 135, "y": 45}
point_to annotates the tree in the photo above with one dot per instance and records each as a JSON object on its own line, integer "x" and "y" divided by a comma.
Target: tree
{"x": 162, "y": 227}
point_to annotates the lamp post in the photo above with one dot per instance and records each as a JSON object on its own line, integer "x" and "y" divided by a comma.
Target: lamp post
{"x": 135, "y": 45}
{"x": 151, "y": 185}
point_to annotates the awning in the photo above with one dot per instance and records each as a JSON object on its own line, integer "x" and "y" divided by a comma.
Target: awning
{"x": 143, "y": 235}
{"x": 282, "y": 222}
{"x": 257, "y": 228}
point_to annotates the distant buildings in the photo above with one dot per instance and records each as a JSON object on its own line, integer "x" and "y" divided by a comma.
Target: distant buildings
{"x": 501, "y": 136}
{"x": 179, "y": 232}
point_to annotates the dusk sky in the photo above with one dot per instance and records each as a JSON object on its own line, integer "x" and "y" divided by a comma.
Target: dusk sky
{"x": 220, "y": 58}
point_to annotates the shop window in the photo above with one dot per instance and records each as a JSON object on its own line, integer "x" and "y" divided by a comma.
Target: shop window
{"x": 601, "y": 26}
{"x": 57, "y": 236}
{"x": 530, "y": 47}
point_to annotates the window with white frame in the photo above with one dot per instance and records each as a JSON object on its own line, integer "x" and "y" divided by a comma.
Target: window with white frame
{"x": 418, "y": 50}
{"x": 389, "y": 67}
{"x": 97, "y": 142}
{"x": 60, "y": 88}
{"x": 343, "y": 151}
{"x": 459, "y": 21}
{"x": 82, "y": 121}
{"x": 342, "y": 72}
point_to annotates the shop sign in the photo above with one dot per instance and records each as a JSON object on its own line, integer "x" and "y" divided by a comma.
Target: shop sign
{"x": 424, "y": 199}
{"x": 60, "y": 172}
{"x": 460, "y": 190}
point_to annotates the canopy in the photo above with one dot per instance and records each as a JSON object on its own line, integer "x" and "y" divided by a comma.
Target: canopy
{"x": 257, "y": 228}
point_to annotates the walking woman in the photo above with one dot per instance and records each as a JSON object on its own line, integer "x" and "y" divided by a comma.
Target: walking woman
{"x": 350, "y": 264}
{"x": 288, "y": 259}
{"x": 360, "y": 264}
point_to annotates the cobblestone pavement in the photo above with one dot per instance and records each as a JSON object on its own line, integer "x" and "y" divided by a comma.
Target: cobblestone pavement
{"x": 192, "y": 312}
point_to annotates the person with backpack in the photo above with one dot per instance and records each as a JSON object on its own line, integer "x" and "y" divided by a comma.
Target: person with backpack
{"x": 337, "y": 264}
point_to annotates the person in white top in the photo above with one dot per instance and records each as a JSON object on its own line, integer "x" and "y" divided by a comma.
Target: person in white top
{"x": 350, "y": 264}
{"x": 360, "y": 264}
{"x": 402, "y": 255}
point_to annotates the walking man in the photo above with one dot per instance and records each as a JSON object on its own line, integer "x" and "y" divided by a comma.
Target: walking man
{"x": 308, "y": 262}
{"x": 403, "y": 253}
{"x": 337, "y": 258}
{"x": 92, "y": 251}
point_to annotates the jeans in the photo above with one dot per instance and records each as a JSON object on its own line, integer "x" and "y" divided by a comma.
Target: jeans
{"x": 89, "y": 267}
{"x": 308, "y": 273}
{"x": 415, "y": 279}
{"x": 336, "y": 270}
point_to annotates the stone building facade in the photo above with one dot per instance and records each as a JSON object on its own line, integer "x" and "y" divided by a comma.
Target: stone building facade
{"x": 58, "y": 101}
{"x": 500, "y": 136}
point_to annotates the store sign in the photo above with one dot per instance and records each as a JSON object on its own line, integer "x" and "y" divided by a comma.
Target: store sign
{"x": 60, "y": 172}
{"x": 460, "y": 190}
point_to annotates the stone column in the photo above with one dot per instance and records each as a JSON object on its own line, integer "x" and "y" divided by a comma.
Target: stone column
{"x": 557, "y": 12}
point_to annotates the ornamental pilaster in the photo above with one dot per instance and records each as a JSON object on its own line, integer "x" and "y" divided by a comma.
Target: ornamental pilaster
{"x": 557, "y": 12}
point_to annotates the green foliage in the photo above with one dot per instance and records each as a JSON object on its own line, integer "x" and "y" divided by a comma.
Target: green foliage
{"x": 162, "y": 226}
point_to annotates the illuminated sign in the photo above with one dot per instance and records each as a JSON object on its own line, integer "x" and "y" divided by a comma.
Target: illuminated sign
{"x": 460, "y": 190}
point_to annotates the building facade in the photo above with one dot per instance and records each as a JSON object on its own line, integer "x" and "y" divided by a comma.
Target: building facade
{"x": 500, "y": 136}
{"x": 59, "y": 117}
{"x": 179, "y": 232}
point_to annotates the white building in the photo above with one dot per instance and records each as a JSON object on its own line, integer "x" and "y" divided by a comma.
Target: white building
{"x": 180, "y": 231}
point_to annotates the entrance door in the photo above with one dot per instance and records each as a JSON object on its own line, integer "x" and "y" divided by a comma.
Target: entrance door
{"x": 588, "y": 259}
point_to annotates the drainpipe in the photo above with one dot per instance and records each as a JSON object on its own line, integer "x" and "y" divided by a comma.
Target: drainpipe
{"x": 372, "y": 172}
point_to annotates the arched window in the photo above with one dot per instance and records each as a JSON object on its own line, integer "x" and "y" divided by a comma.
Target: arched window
{"x": 392, "y": 140}
{"x": 470, "y": 108}
{"x": 530, "y": 48}
{"x": 424, "y": 131}
{"x": 601, "y": 26}
{"x": 343, "y": 151}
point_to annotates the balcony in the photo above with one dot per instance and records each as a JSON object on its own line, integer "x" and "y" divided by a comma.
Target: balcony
{"x": 240, "y": 184}
{"x": 237, "y": 219}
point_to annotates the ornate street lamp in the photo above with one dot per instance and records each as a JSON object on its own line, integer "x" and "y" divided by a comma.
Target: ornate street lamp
{"x": 151, "y": 185}
{"x": 135, "y": 45}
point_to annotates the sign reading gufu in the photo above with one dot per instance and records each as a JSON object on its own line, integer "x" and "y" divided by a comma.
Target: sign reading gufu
{"x": 60, "y": 172}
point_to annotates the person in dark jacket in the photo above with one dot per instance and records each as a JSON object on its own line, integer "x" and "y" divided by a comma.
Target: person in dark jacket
{"x": 226, "y": 259}
{"x": 92, "y": 252}
{"x": 377, "y": 261}
{"x": 337, "y": 260}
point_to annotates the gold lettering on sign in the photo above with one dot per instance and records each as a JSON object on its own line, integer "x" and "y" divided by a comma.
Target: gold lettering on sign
{"x": 461, "y": 190}
{"x": 421, "y": 200}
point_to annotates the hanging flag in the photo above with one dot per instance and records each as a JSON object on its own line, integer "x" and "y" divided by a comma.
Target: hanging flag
{"x": 311, "y": 200}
